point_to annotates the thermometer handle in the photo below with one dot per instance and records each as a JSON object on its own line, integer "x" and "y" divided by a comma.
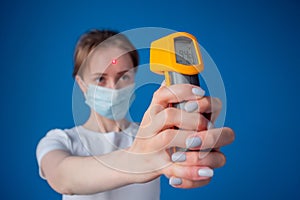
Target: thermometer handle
{"x": 177, "y": 78}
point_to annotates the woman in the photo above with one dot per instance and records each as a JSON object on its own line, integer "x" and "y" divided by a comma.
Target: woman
{"x": 108, "y": 157}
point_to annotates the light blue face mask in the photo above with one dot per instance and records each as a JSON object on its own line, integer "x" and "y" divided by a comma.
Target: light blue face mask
{"x": 110, "y": 103}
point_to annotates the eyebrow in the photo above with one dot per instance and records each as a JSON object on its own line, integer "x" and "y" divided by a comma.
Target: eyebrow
{"x": 99, "y": 74}
{"x": 104, "y": 74}
{"x": 123, "y": 72}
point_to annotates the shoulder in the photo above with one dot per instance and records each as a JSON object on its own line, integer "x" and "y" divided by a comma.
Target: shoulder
{"x": 59, "y": 134}
{"x": 55, "y": 133}
{"x": 55, "y": 139}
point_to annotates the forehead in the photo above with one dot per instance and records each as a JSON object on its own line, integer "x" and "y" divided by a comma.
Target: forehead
{"x": 101, "y": 60}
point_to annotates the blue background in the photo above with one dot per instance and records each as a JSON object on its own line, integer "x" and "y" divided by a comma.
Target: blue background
{"x": 255, "y": 45}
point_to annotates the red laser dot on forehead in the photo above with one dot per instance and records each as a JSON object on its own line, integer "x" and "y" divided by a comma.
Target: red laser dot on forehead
{"x": 114, "y": 61}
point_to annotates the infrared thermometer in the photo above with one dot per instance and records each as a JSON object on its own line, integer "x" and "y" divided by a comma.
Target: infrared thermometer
{"x": 177, "y": 56}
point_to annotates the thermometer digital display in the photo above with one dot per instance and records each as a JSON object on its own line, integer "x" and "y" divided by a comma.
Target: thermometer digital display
{"x": 185, "y": 51}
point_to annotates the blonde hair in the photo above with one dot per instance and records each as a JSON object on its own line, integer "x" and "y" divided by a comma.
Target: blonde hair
{"x": 90, "y": 40}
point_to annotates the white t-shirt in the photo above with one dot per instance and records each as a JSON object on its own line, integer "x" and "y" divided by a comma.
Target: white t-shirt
{"x": 80, "y": 141}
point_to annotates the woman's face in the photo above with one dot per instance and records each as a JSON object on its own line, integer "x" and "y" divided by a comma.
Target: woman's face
{"x": 110, "y": 67}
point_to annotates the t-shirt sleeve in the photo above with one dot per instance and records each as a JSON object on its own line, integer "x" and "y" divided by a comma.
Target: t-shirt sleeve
{"x": 56, "y": 139}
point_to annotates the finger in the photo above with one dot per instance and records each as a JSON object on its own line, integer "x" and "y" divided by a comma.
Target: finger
{"x": 203, "y": 140}
{"x": 175, "y": 94}
{"x": 174, "y": 138}
{"x": 205, "y": 105}
{"x": 173, "y": 117}
{"x": 213, "y": 138}
{"x": 184, "y": 183}
{"x": 164, "y": 96}
{"x": 171, "y": 138}
{"x": 192, "y": 173}
{"x": 211, "y": 160}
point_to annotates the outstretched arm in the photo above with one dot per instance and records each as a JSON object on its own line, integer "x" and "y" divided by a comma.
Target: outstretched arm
{"x": 148, "y": 157}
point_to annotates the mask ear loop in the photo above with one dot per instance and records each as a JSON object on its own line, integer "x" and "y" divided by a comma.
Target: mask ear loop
{"x": 85, "y": 85}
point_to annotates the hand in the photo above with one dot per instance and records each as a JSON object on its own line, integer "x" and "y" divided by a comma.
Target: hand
{"x": 195, "y": 168}
{"x": 157, "y": 135}
{"x": 207, "y": 155}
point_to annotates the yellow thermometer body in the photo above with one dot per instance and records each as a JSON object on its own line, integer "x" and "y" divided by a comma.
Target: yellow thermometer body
{"x": 178, "y": 54}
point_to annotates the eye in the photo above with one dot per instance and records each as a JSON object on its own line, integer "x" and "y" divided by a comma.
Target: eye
{"x": 101, "y": 79}
{"x": 125, "y": 77}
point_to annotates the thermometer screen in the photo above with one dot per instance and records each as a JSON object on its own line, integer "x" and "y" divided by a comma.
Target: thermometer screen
{"x": 185, "y": 51}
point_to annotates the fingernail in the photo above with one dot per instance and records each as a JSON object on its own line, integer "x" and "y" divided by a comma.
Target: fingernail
{"x": 198, "y": 91}
{"x": 206, "y": 172}
{"x": 210, "y": 125}
{"x": 193, "y": 142}
{"x": 178, "y": 157}
{"x": 175, "y": 181}
{"x": 190, "y": 106}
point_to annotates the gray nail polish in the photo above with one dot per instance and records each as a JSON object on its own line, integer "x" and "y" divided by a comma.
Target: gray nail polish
{"x": 198, "y": 91}
{"x": 206, "y": 172}
{"x": 178, "y": 157}
{"x": 193, "y": 142}
{"x": 190, "y": 106}
{"x": 175, "y": 181}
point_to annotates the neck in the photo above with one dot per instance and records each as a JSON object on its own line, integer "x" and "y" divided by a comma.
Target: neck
{"x": 101, "y": 124}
